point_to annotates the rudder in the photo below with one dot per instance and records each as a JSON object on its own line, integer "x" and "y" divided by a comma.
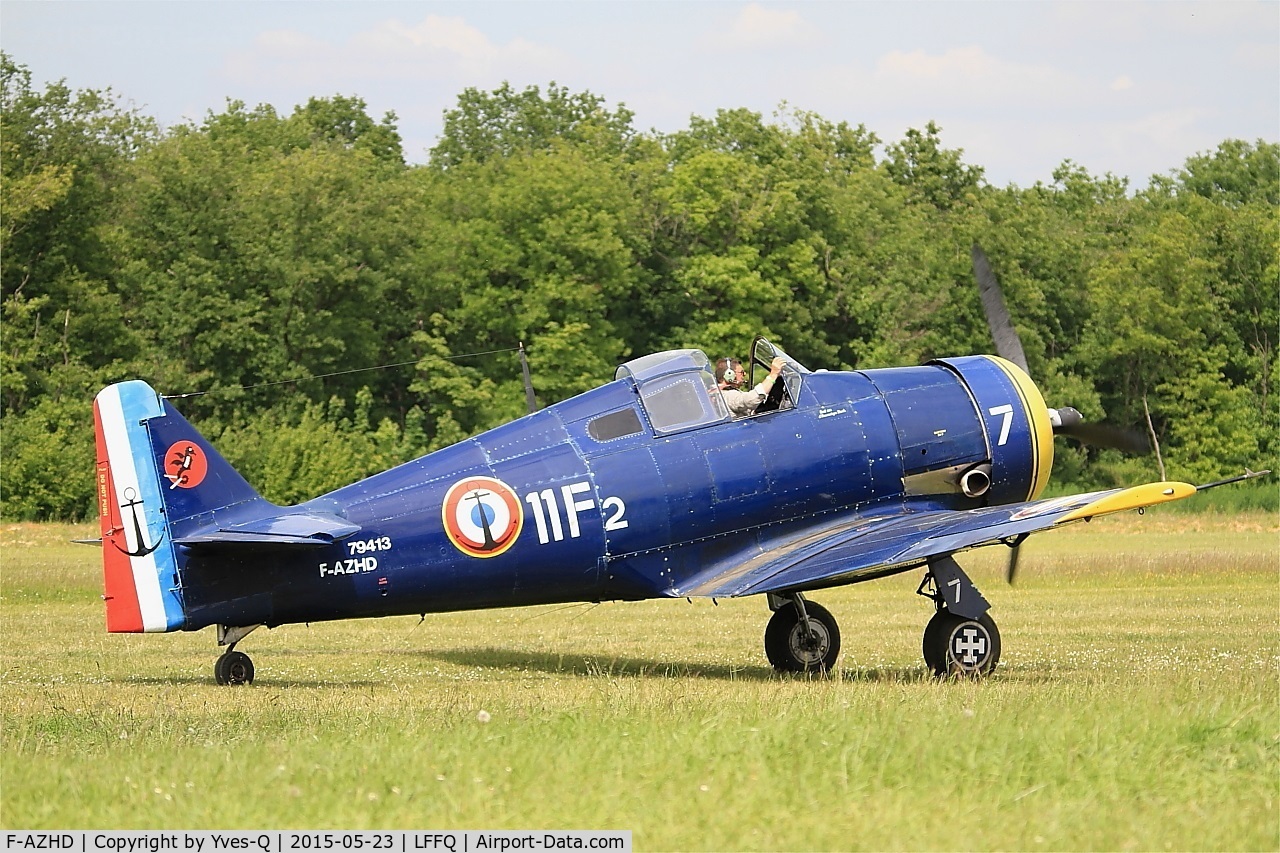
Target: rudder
{"x": 153, "y": 472}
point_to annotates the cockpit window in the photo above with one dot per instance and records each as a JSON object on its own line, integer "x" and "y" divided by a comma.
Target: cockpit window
{"x": 683, "y": 400}
{"x": 677, "y": 389}
{"x": 615, "y": 425}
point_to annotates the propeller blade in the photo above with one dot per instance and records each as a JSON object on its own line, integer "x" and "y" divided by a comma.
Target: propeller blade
{"x": 1069, "y": 422}
{"x": 1130, "y": 441}
{"x": 1008, "y": 344}
{"x": 1066, "y": 420}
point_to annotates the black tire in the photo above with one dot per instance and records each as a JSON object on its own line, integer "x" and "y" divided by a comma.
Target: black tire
{"x": 956, "y": 646}
{"x": 233, "y": 668}
{"x": 790, "y": 650}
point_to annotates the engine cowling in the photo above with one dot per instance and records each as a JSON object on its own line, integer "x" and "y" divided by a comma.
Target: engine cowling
{"x": 1016, "y": 422}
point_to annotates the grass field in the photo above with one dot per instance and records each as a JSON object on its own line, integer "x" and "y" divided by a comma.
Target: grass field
{"x": 1137, "y": 706}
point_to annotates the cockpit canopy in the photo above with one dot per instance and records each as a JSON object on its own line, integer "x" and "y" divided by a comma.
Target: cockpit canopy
{"x": 678, "y": 387}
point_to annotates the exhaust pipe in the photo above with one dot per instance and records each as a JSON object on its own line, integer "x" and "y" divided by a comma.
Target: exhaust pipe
{"x": 976, "y": 481}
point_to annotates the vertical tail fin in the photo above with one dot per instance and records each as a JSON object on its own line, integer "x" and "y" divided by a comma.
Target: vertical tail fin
{"x": 154, "y": 471}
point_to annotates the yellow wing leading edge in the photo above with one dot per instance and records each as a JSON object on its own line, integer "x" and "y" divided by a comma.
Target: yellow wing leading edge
{"x": 1135, "y": 497}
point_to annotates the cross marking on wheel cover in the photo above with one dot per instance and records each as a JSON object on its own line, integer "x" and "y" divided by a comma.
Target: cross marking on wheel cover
{"x": 969, "y": 645}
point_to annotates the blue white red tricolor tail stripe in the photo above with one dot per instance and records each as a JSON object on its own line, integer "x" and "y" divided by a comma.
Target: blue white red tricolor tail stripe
{"x": 140, "y": 570}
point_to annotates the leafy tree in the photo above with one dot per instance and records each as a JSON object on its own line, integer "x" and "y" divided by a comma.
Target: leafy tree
{"x": 275, "y": 261}
{"x": 292, "y": 456}
{"x": 933, "y": 175}
{"x": 750, "y": 234}
{"x": 48, "y": 461}
{"x": 504, "y": 122}
{"x": 62, "y": 156}
{"x": 460, "y": 399}
{"x": 253, "y": 253}
{"x": 1236, "y": 173}
{"x": 1212, "y": 428}
{"x": 1156, "y": 335}
{"x": 542, "y": 244}
{"x": 344, "y": 121}
{"x": 1232, "y": 197}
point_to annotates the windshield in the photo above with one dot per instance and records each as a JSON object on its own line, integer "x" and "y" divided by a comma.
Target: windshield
{"x": 784, "y": 394}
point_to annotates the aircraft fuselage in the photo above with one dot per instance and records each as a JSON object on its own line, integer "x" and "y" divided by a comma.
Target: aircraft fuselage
{"x": 609, "y": 495}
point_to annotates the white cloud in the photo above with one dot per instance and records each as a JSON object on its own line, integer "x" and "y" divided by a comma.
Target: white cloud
{"x": 1124, "y": 81}
{"x": 436, "y": 48}
{"x": 965, "y": 82}
{"x": 1136, "y": 148}
{"x": 970, "y": 73}
{"x": 757, "y": 26}
{"x": 434, "y": 36}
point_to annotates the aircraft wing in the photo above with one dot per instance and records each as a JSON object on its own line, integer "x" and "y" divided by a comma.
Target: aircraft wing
{"x": 866, "y": 547}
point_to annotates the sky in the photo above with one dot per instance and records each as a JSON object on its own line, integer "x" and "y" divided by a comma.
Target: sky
{"x": 1127, "y": 88}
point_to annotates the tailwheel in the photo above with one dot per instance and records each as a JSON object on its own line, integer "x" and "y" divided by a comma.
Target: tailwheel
{"x": 802, "y": 637}
{"x": 958, "y": 646}
{"x": 233, "y": 668}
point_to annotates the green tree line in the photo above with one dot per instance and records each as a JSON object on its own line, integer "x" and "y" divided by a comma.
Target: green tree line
{"x": 261, "y": 262}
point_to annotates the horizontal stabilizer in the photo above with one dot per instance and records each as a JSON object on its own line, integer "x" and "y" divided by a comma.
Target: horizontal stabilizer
{"x": 303, "y": 529}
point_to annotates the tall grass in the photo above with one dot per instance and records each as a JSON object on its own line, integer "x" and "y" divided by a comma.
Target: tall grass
{"x": 1137, "y": 707}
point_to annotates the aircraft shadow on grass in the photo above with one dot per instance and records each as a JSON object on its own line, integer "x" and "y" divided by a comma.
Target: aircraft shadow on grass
{"x": 578, "y": 666}
{"x": 632, "y": 667}
{"x": 292, "y": 683}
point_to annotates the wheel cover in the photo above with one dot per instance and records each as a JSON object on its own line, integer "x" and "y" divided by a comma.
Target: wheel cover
{"x": 969, "y": 647}
{"x": 809, "y": 647}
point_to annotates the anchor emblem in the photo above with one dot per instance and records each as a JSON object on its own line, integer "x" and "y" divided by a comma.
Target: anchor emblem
{"x": 132, "y": 502}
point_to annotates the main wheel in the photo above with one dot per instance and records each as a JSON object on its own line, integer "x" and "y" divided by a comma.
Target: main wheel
{"x": 954, "y": 645}
{"x": 233, "y": 668}
{"x": 790, "y": 648}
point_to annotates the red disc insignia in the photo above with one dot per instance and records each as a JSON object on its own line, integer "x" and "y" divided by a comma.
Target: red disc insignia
{"x": 482, "y": 516}
{"x": 185, "y": 465}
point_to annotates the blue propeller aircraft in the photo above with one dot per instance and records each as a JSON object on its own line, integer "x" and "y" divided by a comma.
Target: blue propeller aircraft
{"x": 645, "y": 487}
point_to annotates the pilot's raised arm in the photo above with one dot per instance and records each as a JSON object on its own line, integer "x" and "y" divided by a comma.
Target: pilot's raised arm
{"x": 730, "y": 376}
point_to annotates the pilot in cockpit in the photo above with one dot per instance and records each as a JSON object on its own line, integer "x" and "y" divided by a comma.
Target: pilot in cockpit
{"x": 730, "y": 376}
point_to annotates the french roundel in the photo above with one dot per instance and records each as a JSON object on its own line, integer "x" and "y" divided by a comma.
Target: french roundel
{"x": 482, "y": 516}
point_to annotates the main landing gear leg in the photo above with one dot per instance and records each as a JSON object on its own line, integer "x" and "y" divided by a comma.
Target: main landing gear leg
{"x": 961, "y": 639}
{"x": 233, "y": 667}
{"x": 801, "y": 636}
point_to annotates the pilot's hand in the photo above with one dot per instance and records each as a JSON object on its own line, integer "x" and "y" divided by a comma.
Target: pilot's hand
{"x": 776, "y": 367}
